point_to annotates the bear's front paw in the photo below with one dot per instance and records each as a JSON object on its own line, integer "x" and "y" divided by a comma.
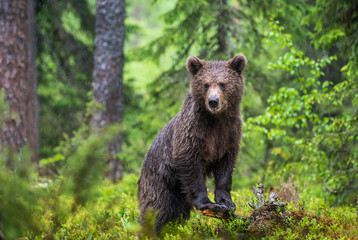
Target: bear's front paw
{"x": 229, "y": 204}
{"x": 212, "y": 206}
{"x": 219, "y": 208}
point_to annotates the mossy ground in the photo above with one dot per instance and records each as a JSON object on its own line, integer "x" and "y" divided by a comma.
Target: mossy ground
{"x": 114, "y": 215}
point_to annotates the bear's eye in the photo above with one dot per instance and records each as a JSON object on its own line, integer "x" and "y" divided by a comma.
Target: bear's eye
{"x": 222, "y": 86}
{"x": 206, "y": 86}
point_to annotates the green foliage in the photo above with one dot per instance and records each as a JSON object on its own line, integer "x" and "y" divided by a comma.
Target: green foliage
{"x": 109, "y": 213}
{"x": 65, "y": 33}
{"x": 25, "y": 198}
{"x": 113, "y": 215}
{"x": 19, "y": 206}
{"x": 313, "y": 138}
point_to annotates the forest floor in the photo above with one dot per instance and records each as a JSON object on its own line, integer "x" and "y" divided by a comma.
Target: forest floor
{"x": 113, "y": 214}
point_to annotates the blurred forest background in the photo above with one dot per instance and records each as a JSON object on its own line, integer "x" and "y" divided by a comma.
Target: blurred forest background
{"x": 86, "y": 85}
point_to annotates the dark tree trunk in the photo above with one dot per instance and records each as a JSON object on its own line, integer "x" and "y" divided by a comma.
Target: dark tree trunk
{"x": 108, "y": 71}
{"x": 19, "y": 122}
{"x": 222, "y": 35}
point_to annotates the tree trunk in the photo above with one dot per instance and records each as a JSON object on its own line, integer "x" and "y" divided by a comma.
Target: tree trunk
{"x": 222, "y": 35}
{"x": 18, "y": 83}
{"x": 108, "y": 71}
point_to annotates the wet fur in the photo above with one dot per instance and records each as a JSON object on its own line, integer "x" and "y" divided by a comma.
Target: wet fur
{"x": 194, "y": 145}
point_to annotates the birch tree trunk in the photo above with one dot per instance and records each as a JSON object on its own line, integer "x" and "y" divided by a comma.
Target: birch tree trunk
{"x": 18, "y": 83}
{"x": 108, "y": 71}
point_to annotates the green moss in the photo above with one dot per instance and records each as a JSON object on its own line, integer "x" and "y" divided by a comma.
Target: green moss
{"x": 113, "y": 214}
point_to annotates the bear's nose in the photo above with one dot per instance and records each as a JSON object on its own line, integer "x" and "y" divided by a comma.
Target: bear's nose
{"x": 213, "y": 102}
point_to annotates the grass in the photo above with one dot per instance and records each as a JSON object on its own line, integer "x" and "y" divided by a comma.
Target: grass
{"x": 113, "y": 214}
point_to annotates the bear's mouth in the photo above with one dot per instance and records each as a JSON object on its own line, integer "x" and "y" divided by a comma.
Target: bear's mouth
{"x": 214, "y": 110}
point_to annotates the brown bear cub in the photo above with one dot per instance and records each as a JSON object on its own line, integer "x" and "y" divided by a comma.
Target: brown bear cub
{"x": 201, "y": 141}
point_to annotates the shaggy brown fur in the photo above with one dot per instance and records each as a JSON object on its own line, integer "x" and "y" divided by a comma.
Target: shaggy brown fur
{"x": 201, "y": 141}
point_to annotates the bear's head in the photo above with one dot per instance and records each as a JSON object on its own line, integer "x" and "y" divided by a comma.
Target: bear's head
{"x": 217, "y": 85}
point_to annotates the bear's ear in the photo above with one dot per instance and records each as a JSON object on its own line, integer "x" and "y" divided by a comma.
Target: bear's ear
{"x": 238, "y": 63}
{"x": 194, "y": 64}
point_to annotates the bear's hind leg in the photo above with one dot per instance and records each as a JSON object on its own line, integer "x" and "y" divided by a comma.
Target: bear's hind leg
{"x": 174, "y": 209}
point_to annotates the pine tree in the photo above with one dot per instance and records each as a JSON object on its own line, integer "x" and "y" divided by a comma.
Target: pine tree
{"x": 19, "y": 121}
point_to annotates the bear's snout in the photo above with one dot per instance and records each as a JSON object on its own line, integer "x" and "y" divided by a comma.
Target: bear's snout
{"x": 214, "y": 99}
{"x": 213, "y": 102}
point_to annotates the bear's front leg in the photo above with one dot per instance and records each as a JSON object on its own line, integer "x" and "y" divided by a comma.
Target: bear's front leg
{"x": 200, "y": 200}
{"x": 193, "y": 184}
{"x": 223, "y": 180}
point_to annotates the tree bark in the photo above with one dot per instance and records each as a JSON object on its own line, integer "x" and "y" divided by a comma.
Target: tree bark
{"x": 108, "y": 71}
{"x": 222, "y": 35}
{"x": 18, "y": 82}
